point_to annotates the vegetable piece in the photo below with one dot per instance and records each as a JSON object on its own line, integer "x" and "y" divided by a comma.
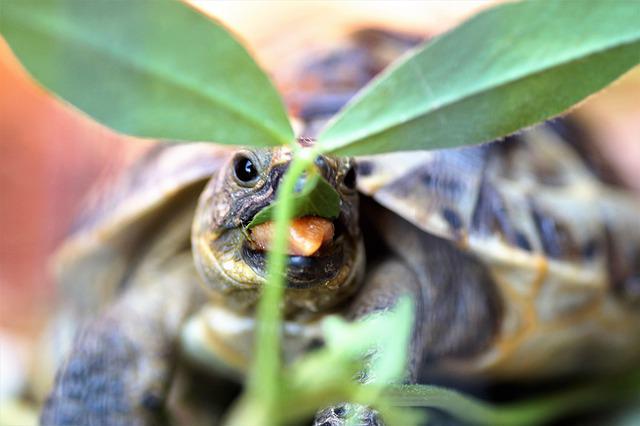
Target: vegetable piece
{"x": 306, "y": 235}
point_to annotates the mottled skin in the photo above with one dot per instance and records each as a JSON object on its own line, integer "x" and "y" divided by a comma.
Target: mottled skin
{"x": 520, "y": 261}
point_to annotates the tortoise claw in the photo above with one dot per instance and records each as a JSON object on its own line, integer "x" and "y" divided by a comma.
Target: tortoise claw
{"x": 338, "y": 415}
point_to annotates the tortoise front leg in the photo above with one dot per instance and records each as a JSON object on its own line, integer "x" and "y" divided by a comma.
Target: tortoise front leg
{"x": 120, "y": 365}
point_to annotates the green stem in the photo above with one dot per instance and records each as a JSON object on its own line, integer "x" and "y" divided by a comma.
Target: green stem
{"x": 530, "y": 412}
{"x": 264, "y": 376}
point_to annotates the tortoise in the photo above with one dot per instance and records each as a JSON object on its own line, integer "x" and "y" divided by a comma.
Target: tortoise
{"x": 522, "y": 260}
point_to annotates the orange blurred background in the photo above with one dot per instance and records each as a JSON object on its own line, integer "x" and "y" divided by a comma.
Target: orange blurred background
{"x": 51, "y": 155}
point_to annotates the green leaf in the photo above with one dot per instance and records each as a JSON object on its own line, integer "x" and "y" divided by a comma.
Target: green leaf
{"x": 388, "y": 332}
{"x": 504, "y": 69}
{"x": 317, "y": 198}
{"x": 377, "y": 344}
{"x": 147, "y": 68}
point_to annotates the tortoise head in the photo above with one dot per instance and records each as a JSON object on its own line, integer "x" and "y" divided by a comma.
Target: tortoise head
{"x": 233, "y": 266}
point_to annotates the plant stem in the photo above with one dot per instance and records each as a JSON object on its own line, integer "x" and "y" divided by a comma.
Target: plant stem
{"x": 529, "y": 412}
{"x": 264, "y": 376}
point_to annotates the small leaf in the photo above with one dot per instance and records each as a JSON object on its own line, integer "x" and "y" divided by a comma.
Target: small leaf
{"x": 147, "y": 68}
{"x": 377, "y": 344}
{"x": 504, "y": 69}
{"x": 317, "y": 198}
{"x": 387, "y": 332}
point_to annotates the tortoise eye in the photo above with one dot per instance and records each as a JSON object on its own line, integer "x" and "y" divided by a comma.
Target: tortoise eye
{"x": 350, "y": 178}
{"x": 244, "y": 169}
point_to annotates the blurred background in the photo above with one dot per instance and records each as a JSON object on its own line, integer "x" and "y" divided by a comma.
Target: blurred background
{"x": 51, "y": 155}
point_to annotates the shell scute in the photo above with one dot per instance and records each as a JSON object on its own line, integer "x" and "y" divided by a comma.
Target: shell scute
{"x": 434, "y": 190}
{"x": 114, "y": 225}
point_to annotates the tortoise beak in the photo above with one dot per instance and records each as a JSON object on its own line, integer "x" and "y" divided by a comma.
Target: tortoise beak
{"x": 305, "y": 271}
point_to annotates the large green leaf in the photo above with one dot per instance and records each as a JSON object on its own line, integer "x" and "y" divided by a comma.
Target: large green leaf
{"x": 147, "y": 68}
{"x": 504, "y": 69}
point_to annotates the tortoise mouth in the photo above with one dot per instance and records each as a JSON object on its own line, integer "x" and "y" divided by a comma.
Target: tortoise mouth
{"x": 305, "y": 271}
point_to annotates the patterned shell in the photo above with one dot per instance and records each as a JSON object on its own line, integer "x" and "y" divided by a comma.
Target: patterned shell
{"x": 114, "y": 222}
{"x": 562, "y": 246}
